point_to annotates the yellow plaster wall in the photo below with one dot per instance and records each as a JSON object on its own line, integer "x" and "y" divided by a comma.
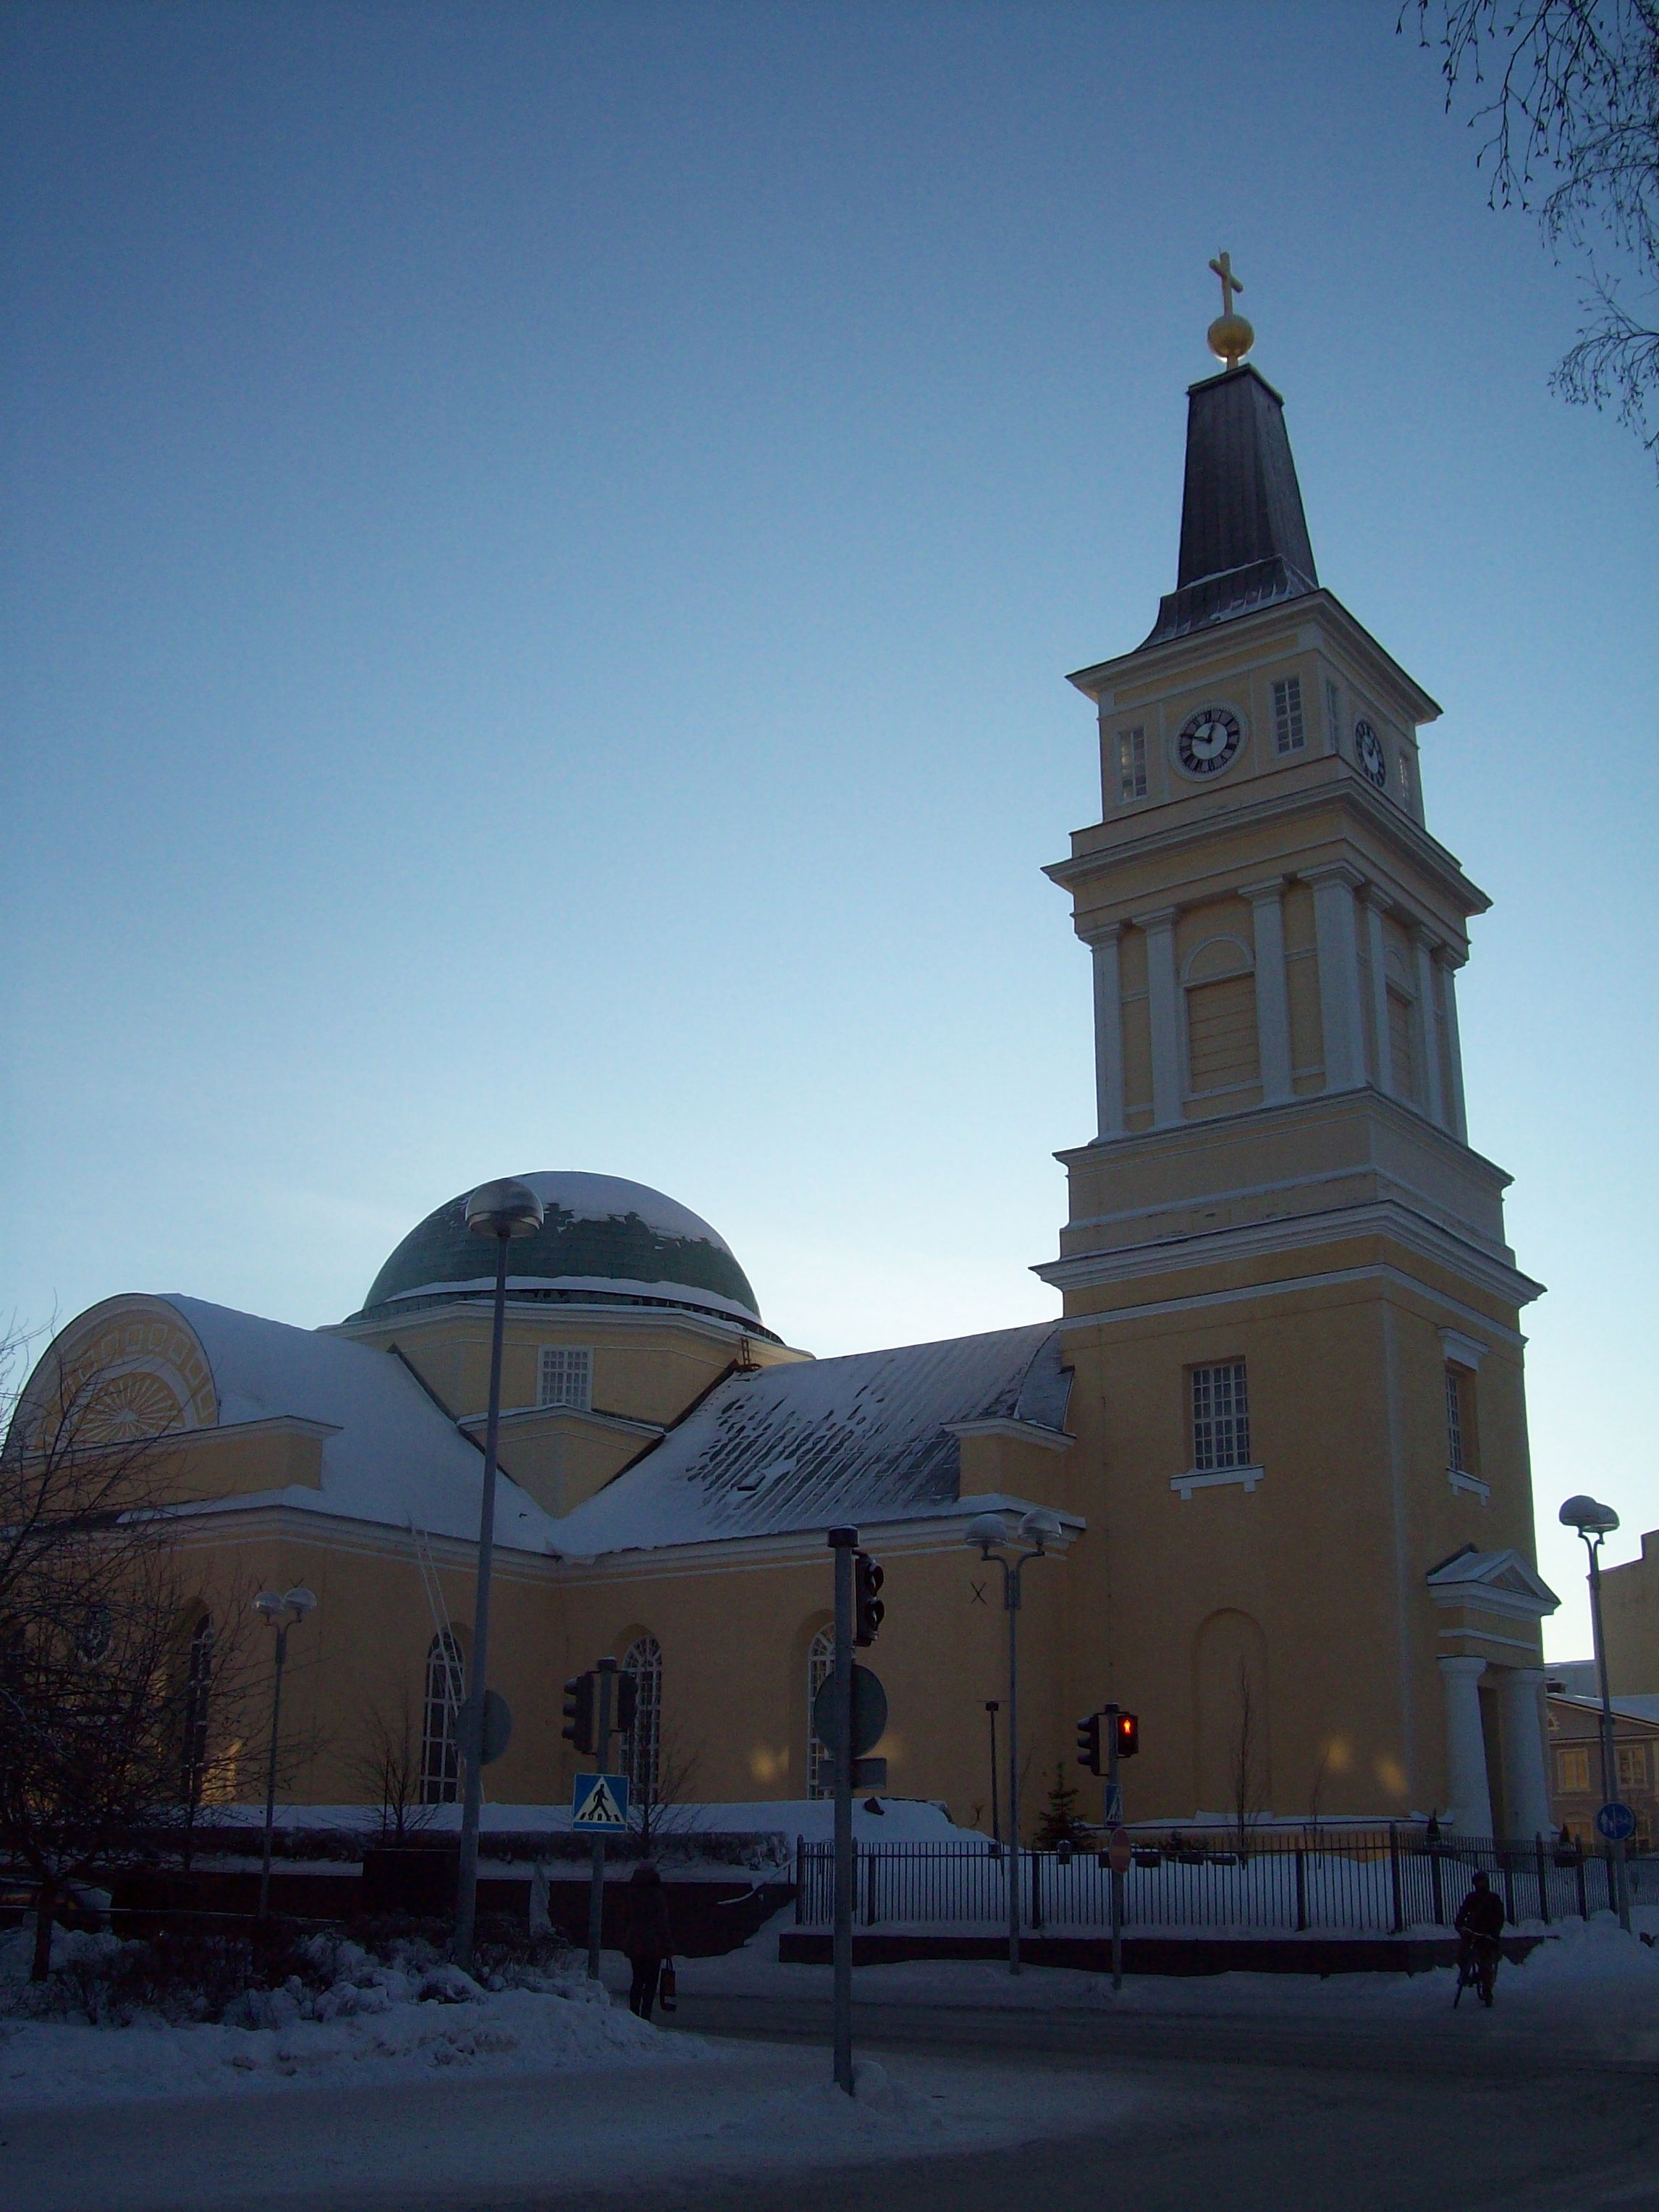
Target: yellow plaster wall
{"x": 1630, "y": 1609}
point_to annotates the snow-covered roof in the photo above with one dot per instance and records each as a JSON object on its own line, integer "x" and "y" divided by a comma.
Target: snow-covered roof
{"x": 394, "y": 1456}
{"x": 867, "y": 1437}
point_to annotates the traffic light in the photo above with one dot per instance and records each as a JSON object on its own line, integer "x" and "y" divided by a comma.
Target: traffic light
{"x": 869, "y": 1612}
{"x": 627, "y": 1702}
{"x": 1127, "y": 1728}
{"x": 1088, "y": 1743}
{"x": 579, "y": 1712}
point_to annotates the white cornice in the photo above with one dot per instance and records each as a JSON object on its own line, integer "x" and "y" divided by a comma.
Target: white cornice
{"x": 1291, "y": 1286}
{"x": 397, "y": 1325}
{"x": 1320, "y": 782}
{"x": 583, "y": 1416}
{"x": 1024, "y": 1432}
{"x": 1258, "y": 1240}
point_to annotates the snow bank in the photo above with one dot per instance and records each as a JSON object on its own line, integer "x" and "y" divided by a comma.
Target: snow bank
{"x": 374, "y": 2023}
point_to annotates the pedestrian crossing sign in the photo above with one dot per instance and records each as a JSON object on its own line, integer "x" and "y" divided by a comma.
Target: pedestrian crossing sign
{"x": 600, "y": 1805}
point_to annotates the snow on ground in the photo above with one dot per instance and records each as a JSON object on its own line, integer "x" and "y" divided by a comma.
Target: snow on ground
{"x": 1587, "y": 1979}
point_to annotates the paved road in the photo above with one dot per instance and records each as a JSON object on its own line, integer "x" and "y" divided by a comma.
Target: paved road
{"x": 1173, "y": 2113}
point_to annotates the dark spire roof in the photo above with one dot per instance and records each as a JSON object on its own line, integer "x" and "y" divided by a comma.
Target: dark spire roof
{"x": 1244, "y": 536}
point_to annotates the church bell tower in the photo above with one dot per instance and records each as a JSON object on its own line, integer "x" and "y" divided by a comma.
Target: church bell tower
{"x": 1291, "y": 1312}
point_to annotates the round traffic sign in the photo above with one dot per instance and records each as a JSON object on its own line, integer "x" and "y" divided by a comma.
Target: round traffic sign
{"x": 1117, "y": 1851}
{"x": 1616, "y": 1823}
{"x": 869, "y": 1712}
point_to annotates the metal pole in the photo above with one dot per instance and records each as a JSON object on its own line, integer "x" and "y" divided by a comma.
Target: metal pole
{"x": 843, "y": 1541}
{"x": 270, "y": 1773}
{"x": 466, "y": 1887}
{"x": 1113, "y": 1789}
{"x": 991, "y": 1707}
{"x": 1609, "y": 1763}
{"x": 1011, "y": 1602}
{"x": 606, "y": 1671}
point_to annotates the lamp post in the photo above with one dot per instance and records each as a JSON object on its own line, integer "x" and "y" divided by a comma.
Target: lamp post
{"x": 993, "y": 1709}
{"x": 504, "y": 1211}
{"x": 296, "y": 1604}
{"x": 987, "y": 1533}
{"x": 1594, "y": 1521}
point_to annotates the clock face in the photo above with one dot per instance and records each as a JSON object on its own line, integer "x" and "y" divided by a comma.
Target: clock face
{"x": 1368, "y": 751}
{"x": 1208, "y": 740}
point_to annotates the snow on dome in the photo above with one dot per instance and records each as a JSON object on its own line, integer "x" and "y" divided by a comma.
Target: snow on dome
{"x": 604, "y": 1240}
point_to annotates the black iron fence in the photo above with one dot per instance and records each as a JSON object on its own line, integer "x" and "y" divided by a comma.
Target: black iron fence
{"x": 1381, "y": 1881}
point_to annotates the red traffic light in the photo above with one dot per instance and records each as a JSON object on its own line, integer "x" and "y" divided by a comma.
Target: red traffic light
{"x": 1126, "y": 1727}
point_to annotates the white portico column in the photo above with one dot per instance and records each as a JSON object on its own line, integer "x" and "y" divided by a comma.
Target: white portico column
{"x": 1376, "y": 953}
{"x": 1338, "y": 943}
{"x": 1272, "y": 1005}
{"x": 1433, "y": 1090}
{"x": 1108, "y": 1032}
{"x": 1164, "y": 997}
{"x": 1465, "y": 1747}
{"x": 1448, "y": 967}
{"x": 1526, "y": 1779}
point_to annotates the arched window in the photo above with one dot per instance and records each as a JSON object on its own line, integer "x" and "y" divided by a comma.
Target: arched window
{"x": 642, "y": 1749}
{"x": 820, "y": 1665}
{"x": 440, "y": 1733}
{"x": 1222, "y": 1049}
{"x": 198, "y": 1684}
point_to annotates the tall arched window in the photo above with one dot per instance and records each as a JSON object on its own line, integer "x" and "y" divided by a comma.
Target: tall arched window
{"x": 820, "y": 1665}
{"x": 198, "y": 1684}
{"x": 642, "y": 1752}
{"x": 440, "y": 1733}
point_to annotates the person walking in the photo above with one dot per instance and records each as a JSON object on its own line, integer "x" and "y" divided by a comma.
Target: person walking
{"x": 1480, "y": 1922}
{"x": 647, "y": 1938}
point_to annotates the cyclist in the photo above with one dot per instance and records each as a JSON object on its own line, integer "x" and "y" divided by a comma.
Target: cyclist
{"x": 1479, "y": 1923}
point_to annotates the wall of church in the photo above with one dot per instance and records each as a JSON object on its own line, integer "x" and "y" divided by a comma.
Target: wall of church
{"x": 1630, "y": 1604}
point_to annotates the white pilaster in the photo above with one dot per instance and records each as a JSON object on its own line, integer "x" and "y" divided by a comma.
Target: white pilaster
{"x": 1163, "y": 994}
{"x": 1376, "y": 952}
{"x": 1448, "y": 967}
{"x": 1434, "y": 1093}
{"x": 1108, "y": 1032}
{"x": 1465, "y": 1747}
{"x": 1526, "y": 1778}
{"x": 1338, "y": 943}
{"x": 1272, "y": 1005}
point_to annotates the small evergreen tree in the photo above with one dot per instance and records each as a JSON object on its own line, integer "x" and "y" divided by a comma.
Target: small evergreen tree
{"x": 1060, "y": 1823}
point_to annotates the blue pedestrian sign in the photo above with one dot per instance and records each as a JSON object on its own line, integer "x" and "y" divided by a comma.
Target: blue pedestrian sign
{"x": 1113, "y": 1814}
{"x": 1615, "y": 1824}
{"x": 600, "y": 1807}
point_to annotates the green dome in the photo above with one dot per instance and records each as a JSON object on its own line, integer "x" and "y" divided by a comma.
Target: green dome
{"x": 603, "y": 1242}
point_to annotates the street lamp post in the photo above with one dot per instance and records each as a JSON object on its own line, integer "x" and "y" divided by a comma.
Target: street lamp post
{"x": 1594, "y": 1521}
{"x": 987, "y": 1533}
{"x": 504, "y": 1211}
{"x": 296, "y": 1604}
{"x": 993, "y": 1709}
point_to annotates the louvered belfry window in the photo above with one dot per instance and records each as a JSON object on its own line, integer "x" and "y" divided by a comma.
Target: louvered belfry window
{"x": 1222, "y": 1046}
{"x": 1221, "y": 1416}
{"x": 1131, "y": 763}
{"x": 1455, "y": 1460}
{"x": 1288, "y": 735}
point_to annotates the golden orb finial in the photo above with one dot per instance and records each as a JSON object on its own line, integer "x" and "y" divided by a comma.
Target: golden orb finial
{"x": 1230, "y": 336}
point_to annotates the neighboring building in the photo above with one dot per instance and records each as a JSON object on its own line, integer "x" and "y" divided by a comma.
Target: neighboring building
{"x": 1281, "y": 1412}
{"x": 1629, "y": 1614}
{"x": 1574, "y": 1739}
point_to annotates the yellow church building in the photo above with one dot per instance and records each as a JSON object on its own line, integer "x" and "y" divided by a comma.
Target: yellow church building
{"x": 1280, "y": 1412}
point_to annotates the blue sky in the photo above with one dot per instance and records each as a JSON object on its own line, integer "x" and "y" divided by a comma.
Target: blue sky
{"x": 543, "y": 543}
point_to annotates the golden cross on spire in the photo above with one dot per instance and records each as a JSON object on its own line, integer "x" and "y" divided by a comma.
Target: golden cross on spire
{"x": 1223, "y": 266}
{"x": 1230, "y": 336}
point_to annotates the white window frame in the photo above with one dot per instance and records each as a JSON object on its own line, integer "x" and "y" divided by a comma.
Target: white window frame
{"x": 1290, "y": 731}
{"x": 440, "y": 1722}
{"x": 642, "y": 1747}
{"x": 1221, "y": 1418}
{"x": 1132, "y": 764}
{"x": 564, "y": 1376}
{"x": 820, "y": 1665}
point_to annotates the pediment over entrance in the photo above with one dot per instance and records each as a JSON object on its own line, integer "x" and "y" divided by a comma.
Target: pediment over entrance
{"x": 1503, "y": 1582}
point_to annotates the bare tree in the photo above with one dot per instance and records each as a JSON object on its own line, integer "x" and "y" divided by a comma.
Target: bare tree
{"x": 1572, "y": 115}
{"x": 119, "y": 1697}
{"x": 666, "y": 1806}
{"x": 388, "y": 1766}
